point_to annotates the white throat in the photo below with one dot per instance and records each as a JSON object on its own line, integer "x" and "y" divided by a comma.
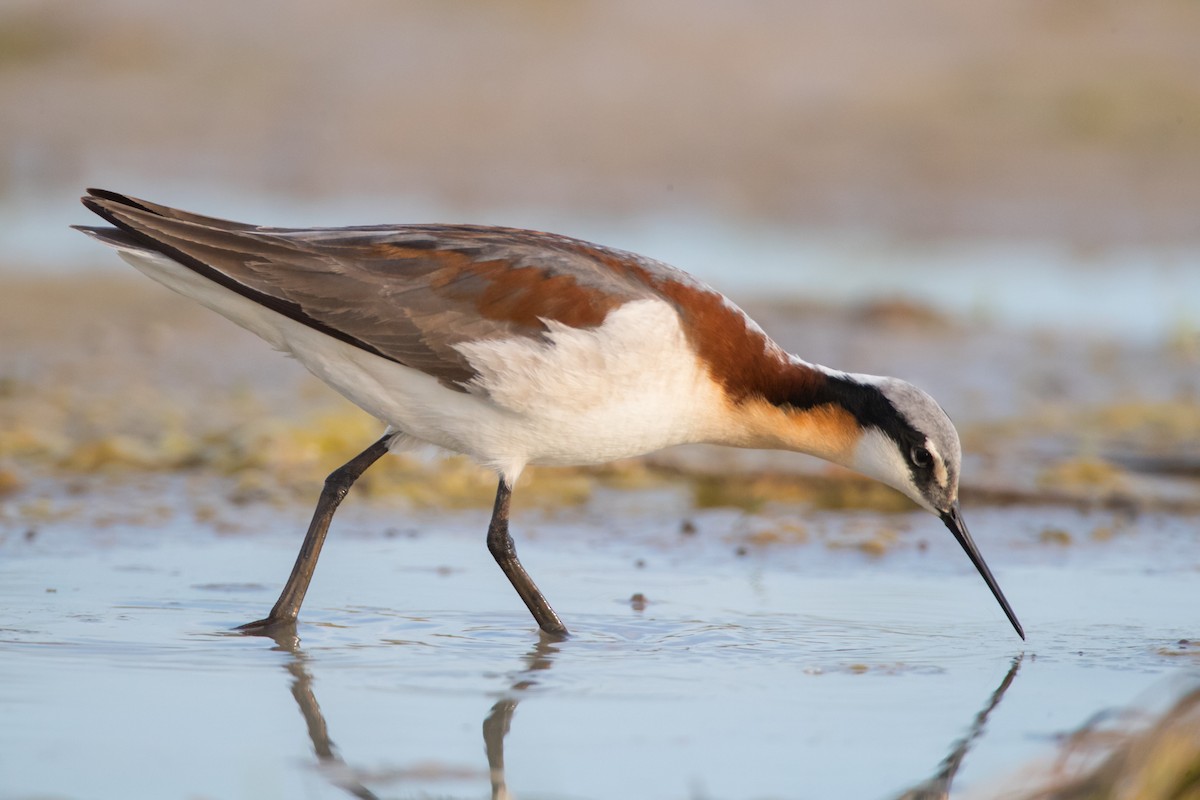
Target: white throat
{"x": 878, "y": 457}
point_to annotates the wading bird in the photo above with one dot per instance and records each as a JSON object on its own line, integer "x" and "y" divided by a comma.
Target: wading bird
{"x": 516, "y": 347}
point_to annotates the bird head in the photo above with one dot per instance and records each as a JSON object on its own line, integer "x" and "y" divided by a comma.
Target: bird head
{"x": 909, "y": 443}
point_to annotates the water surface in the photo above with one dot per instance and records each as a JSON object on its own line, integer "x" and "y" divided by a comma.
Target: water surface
{"x": 789, "y": 671}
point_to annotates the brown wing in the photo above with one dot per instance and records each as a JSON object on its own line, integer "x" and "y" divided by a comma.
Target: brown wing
{"x": 408, "y": 293}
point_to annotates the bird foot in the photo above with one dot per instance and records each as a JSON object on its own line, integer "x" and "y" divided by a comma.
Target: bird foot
{"x": 269, "y": 626}
{"x": 554, "y": 633}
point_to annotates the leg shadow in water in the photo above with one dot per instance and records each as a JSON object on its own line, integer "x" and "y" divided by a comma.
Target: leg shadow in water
{"x": 495, "y": 725}
{"x": 938, "y": 787}
{"x": 499, "y": 719}
{"x": 333, "y": 766}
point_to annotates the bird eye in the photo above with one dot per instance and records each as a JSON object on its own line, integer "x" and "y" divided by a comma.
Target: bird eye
{"x": 921, "y": 457}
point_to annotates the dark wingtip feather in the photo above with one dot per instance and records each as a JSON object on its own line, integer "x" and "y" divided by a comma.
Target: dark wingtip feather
{"x": 108, "y": 205}
{"x": 98, "y": 200}
{"x": 115, "y": 197}
{"x": 99, "y": 207}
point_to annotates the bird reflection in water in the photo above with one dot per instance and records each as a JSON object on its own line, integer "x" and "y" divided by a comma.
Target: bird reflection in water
{"x": 498, "y": 721}
{"x": 938, "y": 787}
{"x": 495, "y": 725}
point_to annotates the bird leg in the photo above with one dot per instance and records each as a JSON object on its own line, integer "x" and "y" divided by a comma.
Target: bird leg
{"x": 502, "y": 548}
{"x": 336, "y": 486}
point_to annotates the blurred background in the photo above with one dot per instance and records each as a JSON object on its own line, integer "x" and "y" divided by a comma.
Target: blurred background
{"x": 998, "y": 200}
{"x": 933, "y": 146}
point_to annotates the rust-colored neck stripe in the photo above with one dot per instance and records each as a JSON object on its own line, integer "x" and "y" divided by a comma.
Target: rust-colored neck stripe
{"x": 739, "y": 356}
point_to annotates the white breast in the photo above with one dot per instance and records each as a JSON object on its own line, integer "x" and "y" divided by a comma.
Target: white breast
{"x": 631, "y": 386}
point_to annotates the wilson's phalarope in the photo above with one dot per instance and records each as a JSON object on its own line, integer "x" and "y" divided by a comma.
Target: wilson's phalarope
{"x": 517, "y": 347}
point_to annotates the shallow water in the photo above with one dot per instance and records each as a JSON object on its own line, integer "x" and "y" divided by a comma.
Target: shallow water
{"x": 789, "y": 671}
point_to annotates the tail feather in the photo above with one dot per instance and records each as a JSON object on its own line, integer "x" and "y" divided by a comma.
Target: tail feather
{"x": 113, "y": 237}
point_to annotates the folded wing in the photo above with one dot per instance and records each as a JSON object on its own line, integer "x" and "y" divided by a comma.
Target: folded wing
{"x": 408, "y": 293}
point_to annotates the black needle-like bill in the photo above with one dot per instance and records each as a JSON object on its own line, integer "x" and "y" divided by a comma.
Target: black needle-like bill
{"x": 954, "y": 521}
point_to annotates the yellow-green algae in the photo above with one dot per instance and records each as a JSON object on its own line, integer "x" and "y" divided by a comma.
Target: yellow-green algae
{"x": 833, "y": 489}
{"x": 1085, "y": 472}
